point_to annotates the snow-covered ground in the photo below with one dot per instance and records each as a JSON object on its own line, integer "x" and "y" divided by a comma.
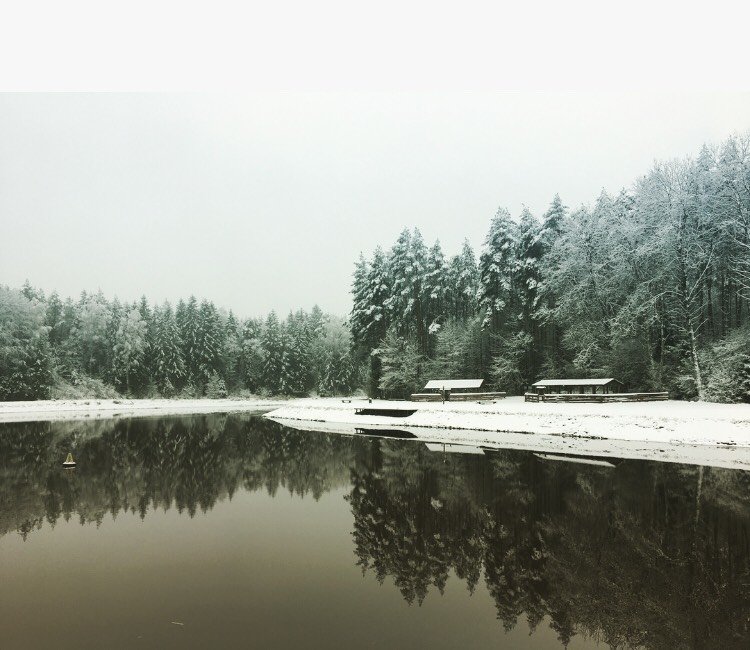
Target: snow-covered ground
{"x": 674, "y": 422}
{"x": 106, "y": 408}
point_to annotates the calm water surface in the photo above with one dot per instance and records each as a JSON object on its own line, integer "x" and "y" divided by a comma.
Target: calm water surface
{"x": 232, "y": 531}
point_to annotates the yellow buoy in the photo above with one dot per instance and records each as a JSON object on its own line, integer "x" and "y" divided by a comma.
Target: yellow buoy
{"x": 69, "y": 462}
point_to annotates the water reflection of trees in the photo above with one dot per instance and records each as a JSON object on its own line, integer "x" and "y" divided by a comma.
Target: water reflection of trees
{"x": 136, "y": 465}
{"x": 646, "y": 554}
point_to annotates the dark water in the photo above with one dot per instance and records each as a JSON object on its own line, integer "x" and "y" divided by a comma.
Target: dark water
{"x": 232, "y": 531}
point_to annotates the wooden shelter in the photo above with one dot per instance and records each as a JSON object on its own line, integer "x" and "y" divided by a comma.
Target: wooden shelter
{"x": 453, "y": 384}
{"x": 443, "y": 390}
{"x": 581, "y": 386}
{"x": 586, "y": 390}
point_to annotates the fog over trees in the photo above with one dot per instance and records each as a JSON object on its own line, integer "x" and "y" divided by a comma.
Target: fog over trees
{"x": 650, "y": 286}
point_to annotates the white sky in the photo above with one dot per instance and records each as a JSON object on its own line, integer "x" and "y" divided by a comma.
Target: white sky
{"x": 264, "y": 199}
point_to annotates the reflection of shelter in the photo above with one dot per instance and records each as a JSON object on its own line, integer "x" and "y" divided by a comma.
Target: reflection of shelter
{"x": 581, "y": 386}
{"x": 442, "y": 390}
{"x": 449, "y": 448}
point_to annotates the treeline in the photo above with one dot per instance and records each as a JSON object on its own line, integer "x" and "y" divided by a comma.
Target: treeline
{"x": 651, "y": 286}
{"x": 94, "y": 347}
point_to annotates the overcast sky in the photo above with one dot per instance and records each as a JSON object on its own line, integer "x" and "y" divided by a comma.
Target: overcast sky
{"x": 264, "y": 201}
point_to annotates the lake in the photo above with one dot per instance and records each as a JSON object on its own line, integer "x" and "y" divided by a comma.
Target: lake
{"x": 234, "y": 531}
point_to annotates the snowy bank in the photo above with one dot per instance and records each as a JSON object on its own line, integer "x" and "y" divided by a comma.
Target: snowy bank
{"x": 692, "y": 423}
{"x": 43, "y": 410}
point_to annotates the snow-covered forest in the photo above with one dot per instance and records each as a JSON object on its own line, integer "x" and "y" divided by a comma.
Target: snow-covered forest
{"x": 93, "y": 347}
{"x": 651, "y": 286}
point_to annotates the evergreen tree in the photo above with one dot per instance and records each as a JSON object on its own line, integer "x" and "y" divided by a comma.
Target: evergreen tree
{"x": 91, "y": 333}
{"x": 215, "y": 387}
{"x": 370, "y": 318}
{"x": 528, "y": 279}
{"x": 53, "y": 318}
{"x": 360, "y": 314}
{"x": 209, "y": 342}
{"x": 252, "y": 359}
{"x": 24, "y": 347}
{"x": 129, "y": 348}
{"x": 186, "y": 318}
{"x": 399, "y": 302}
{"x": 552, "y": 222}
{"x": 744, "y": 378}
{"x": 113, "y": 325}
{"x": 496, "y": 266}
{"x": 434, "y": 290}
{"x": 145, "y": 372}
{"x": 167, "y": 363}
{"x": 338, "y": 374}
{"x": 402, "y": 365}
{"x": 273, "y": 342}
{"x": 463, "y": 283}
{"x": 297, "y": 373}
{"x": 232, "y": 353}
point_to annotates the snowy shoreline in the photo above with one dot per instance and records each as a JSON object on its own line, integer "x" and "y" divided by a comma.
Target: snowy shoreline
{"x": 44, "y": 410}
{"x": 670, "y": 422}
{"x": 673, "y": 422}
{"x": 551, "y": 447}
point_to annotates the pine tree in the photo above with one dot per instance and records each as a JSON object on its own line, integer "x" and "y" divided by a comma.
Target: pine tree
{"x": 129, "y": 348}
{"x": 208, "y": 344}
{"x": 145, "y": 373}
{"x": 417, "y": 313}
{"x": 273, "y": 343}
{"x": 527, "y": 278}
{"x": 215, "y": 387}
{"x": 232, "y": 353}
{"x": 402, "y": 365}
{"x": 53, "y": 318}
{"x": 496, "y": 266}
{"x": 359, "y": 316}
{"x": 252, "y": 358}
{"x": 24, "y": 347}
{"x": 400, "y": 303}
{"x": 186, "y": 317}
{"x": 375, "y": 318}
{"x": 463, "y": 283}
{"x": 337, "y": 374}
{"x": 744, "y": 378}
{"x": 113, "y": 325}
{"x": 90, "y": 331}
{"x": 297, "y": 372}
{"x": 434, "y": 289}
{"x": 315, "y": 322}
{"x": 168, "y": 364}
{"x": 552, "y": 221}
